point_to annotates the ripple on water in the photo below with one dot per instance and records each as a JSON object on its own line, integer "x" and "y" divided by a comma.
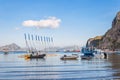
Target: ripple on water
{"x": 54, "y": 68}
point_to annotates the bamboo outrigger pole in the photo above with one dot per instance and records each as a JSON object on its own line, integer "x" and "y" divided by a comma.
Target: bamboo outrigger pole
{"x": 39, "y": 43}
{"x": 33, "y": 43}
{"x": 26, "y": 42}
{"x": 30, "y": 44}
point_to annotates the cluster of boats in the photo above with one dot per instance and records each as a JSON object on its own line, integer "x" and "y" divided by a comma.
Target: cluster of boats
{"x": 88, "y": 53}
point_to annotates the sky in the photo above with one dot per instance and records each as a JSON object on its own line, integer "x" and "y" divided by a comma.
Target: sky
{"x": 69, "y": 22}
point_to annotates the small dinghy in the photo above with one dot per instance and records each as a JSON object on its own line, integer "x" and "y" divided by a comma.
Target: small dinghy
{"x": 5, "y": 51}
{"x": 72, "y": 57}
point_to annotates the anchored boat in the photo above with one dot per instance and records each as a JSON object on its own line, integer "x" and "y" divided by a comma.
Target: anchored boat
{"x": 88, "y": 53}
{"x": 34, "y": 43}
{"x": 5, "y": 51}
{"x": 72, "y": 57}
{"x": 36, "y": 56}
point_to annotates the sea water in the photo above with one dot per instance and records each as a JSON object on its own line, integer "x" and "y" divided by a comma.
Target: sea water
{"x": 15, "y": 67}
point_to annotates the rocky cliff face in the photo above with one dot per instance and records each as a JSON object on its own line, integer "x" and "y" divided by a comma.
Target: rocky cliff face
{"x": 111, "y": 40}
{"x": 94, "y": 42}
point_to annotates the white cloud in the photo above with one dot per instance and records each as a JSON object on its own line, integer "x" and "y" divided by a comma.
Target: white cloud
{"x": 50, "y": 22}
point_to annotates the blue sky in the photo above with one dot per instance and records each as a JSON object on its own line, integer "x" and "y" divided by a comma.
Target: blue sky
{"x": 80, "y": 19}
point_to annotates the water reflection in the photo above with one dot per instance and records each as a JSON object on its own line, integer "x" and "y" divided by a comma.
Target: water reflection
{"x": 52, "y": 67}
{"x": 114, "y": 59}
{"x": 37, "y": 59}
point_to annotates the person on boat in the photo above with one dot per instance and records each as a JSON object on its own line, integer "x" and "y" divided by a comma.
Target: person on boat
{"x": 31, "y": 55}
{"x": 105, "y": 55}
{"x": 65, "y": 55}
{"x": 37, "y": 54}
{"x": 32, "y": 52}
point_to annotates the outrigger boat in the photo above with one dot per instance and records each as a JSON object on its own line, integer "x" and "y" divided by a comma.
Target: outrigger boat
{"x": 37, "y": 56}
{"x": 33, "y": 55}
{"x": 32, "y": 46}
{"x": 88, "y": 53}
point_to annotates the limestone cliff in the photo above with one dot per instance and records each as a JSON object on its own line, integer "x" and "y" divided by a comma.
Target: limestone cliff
{"x": 111, "y": 39}
{"x": 94, "y": 42}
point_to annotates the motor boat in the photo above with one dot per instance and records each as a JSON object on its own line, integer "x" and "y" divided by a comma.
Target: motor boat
{"x": 72, "y": 57}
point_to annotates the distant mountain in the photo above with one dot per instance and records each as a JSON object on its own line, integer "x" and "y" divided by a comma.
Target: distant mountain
{"x": 111, "y": 39}
{"x": 10, "y": 47}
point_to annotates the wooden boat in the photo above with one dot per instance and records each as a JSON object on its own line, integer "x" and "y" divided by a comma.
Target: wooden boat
{"x": 5, "y": 51}
{"x": 76, "y": 51}
{"x": 35, "y": 56}
{"x": 72, "y": 57}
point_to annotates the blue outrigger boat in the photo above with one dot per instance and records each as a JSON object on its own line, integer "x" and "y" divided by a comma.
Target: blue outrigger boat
{"x": 87, "y": 53}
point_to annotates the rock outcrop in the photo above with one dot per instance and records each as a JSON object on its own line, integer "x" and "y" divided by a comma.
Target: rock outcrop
{"x": 111, "y": 39}
{"x": 94, "y": 42}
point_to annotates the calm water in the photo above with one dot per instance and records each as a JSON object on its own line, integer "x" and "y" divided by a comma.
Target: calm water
{"x": 13, "y": 67}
